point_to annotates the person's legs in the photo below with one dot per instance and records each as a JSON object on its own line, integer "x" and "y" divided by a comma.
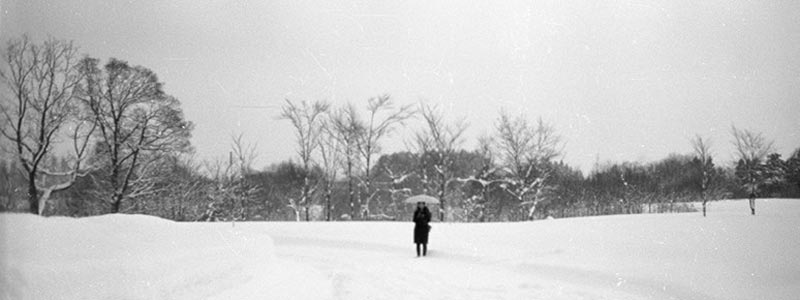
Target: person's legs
{"x": 424, "y": 249}
{"x": 417, "y": 249}
{"x": 753, "y": 206}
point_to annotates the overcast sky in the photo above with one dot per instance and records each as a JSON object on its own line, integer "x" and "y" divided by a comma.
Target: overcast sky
{"x": 620, "y": 80}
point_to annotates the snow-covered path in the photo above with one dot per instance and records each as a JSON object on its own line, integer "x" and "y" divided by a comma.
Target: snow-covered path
{"x": 381, "y": 269}
{"x": 728, "y": 255}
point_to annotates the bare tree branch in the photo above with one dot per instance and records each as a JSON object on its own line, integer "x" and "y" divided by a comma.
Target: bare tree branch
{"x": 41, "y": 79}
{"x": 751, "y": 146}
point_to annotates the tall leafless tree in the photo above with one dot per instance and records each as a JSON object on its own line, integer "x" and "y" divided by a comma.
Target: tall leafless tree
{"x": 331, "y": 157}
{"x": 307, "y": 120}
{"x": 244, "y": 154}
{"x": 703, "y": 159}
{"x": 751, "y": 150}
{"x": 41, "y": 81}
{"x": 483, "y": 177}
{"x": 441, "y": 141}
{"x": 231, "y": 193}
{"x": 381, "y": 119}
{"x": 137, "y": 123}
{"x": 526, "y": 151}
{"x": 347, "y": 128}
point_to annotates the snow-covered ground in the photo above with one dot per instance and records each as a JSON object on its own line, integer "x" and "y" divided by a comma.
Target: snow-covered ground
{"x": 727, "y": 255}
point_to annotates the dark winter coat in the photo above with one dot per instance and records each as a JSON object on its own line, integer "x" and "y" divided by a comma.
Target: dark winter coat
{"x": 421, "y": 228}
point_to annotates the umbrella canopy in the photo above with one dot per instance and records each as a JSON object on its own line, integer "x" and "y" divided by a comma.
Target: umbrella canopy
{"x": 422, "y": 198}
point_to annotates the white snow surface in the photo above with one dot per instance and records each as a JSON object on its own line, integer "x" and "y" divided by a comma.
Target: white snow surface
{"x": 728, "y": 255}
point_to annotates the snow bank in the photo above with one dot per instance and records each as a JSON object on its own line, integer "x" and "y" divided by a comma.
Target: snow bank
{"x": 143, "y": 257}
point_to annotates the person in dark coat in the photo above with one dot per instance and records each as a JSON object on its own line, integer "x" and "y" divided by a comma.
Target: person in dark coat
{"x": 422, "y": 216}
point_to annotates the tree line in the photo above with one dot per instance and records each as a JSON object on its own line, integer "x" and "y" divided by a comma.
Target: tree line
{"x": 128, "y": 151}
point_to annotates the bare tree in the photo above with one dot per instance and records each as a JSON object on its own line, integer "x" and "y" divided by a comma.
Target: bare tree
{"x": 382, "y": 118}
{"x": 703, "y": 160}
{"x": 244, "y": 155}
{"x": 231, "y": 193}
{"x": 41, "y": 79}
{"x": 307, "y": 120}
{"x": 138, "y": 123}
{"x": 526, "y": 151}
{"x": 331, "y": 157}
{"x": 347, "y": 128}
{"x": 185, "y": 189}
{"x": 483, "y": 177}
{"x": 751, "y": 151}
{"x": 437, "y": 144}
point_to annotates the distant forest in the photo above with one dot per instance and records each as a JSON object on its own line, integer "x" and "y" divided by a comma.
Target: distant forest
{"x": 129, "y": 151}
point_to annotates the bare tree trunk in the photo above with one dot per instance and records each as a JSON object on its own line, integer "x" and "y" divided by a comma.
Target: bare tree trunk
{"x": 33, "y": 197}
{"x": 705, "y": 200}
{"x": 115, "y": 198}
{"x": 359, "y": 201}
{"x": 43, "y": 201}
{"x": 532, "y": 210}
{"x": 442, "y": 206}
{"x": 368, "y": 186}
{"x": 305, "y": 195}
{"x": 328, "y": 200}
{"x": 704, "y": 207}
{"x": 116, "y": 203}
{"x": 485, "y": 191}
{"x": 350, "y": 191}
{"x": 499, "y": 216}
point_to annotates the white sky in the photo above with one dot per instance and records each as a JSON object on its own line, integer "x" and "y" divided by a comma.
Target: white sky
{"x": 621, "y": 80}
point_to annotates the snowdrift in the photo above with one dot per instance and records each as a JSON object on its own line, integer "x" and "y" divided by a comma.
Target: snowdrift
{"x": 141, "y": 257}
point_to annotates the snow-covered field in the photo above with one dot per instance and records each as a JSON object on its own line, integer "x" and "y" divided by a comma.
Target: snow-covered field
{"x": 727, "y": 255}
